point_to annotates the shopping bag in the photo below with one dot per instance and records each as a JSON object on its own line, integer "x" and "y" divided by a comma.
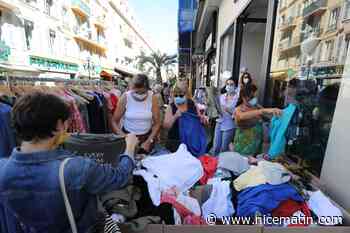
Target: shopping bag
{"x": 103, "y": 148}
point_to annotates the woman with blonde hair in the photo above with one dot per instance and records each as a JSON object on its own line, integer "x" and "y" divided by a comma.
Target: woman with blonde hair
{"x": 182, "y": 112}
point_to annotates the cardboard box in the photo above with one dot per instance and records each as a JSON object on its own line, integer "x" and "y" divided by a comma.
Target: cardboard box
{"x": 152, "y": 228}
{"x": 306, "y": 230}
{"x": 212, "y": 229}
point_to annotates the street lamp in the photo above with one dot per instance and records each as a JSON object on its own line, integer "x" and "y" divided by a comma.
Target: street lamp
{"x": 89, "y": 67}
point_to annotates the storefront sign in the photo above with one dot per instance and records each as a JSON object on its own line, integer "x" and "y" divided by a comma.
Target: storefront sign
{"x": 209, "y": 42}
{"x": 5, "y": 51}
{"x": 53, "y": 65}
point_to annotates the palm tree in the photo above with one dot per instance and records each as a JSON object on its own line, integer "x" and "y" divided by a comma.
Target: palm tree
{"x": 157, "y": 60}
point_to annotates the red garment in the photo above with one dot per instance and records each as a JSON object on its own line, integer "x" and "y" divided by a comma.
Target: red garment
{"x": 289, "y": 207}
{"x": 114, "y": 102}
{"x": 189, "y": 218}
{"x": 210, "y": 165}
{"x": 76, "y": 123}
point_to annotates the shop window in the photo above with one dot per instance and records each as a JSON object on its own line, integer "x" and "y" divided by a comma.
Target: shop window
{"x": 1, "y": 25}
{"x": 339, "y": 48}
{"x": 52, "y": 37}
{"x": 30, "y": 2}
{"x": 66, "y": 43}
{"x": 346, "y": 49}
{"x": 333, "y": 19}
{"x": 316, "y": 66}
{"x": 226, "y": 54}
{"x": 28, "y": 30}
{"x": 329, "y": 50}
{"x": 128, "y": 43}
{"x": 347, "y": 10}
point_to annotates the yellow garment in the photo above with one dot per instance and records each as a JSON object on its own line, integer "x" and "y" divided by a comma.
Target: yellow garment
{"x": 253, "y": 177}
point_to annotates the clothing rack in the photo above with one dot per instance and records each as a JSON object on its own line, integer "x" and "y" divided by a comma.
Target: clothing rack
{"x": 10, "y": 79}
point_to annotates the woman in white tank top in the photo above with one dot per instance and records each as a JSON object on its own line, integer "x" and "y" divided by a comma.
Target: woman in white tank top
{"x": 138, "y": 113}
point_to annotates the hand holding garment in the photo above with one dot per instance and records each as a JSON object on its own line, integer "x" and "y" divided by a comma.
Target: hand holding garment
{"x": 265, "y": 198}
{"x": 219, "y": 202}
{"x": 322, "y": 206}
{"x": 209, "y": 165}
{"x": 279, "y": 126}
{"x": 180, "y": 170}
{"x": 233, "y": 162}
{"x": 192, "y": 133}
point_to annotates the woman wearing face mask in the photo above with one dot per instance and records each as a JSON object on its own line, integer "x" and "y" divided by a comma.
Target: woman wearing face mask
{"x": 246, "y": 79}
{"x": 138, "y": 112}
{"x": 248, "y": 115}
{"x": 180, "y": 104}
{"x": 225, "y": 125}
{"x": 29, "y": 178}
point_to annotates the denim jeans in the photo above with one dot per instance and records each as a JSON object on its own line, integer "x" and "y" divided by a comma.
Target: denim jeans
{"x": 222, "y": 139}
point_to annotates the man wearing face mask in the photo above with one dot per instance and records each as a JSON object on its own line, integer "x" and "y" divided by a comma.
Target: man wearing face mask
{"x": 29, "y": 179}
{"x": 249, "y": 136}
{"x": 181, "y": 104}
{"x": 138, "y": 112}
{"x": 225, "y": 125}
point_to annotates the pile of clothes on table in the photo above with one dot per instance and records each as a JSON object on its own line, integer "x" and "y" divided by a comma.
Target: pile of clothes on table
{"x": 177, "y": 188}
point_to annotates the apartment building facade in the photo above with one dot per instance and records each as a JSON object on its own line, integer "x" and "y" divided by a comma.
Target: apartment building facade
{"x": 324, "y": 25}
{"x": 69, "y": 38}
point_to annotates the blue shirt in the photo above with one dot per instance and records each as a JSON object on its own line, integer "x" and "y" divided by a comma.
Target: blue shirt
{"x": 29, "y": 188}
{"x": 226, "y": 120}
{"x": 7, "y": 142}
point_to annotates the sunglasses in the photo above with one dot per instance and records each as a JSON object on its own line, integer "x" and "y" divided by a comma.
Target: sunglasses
{"x": 178, "y": 95}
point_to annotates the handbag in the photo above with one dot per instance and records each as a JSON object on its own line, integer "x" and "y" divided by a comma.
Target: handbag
{"x": 103, "y": 148}
{"x": 109, "y": 225}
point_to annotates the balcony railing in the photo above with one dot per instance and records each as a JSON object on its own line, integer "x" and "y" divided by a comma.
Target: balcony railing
{"x": 314, "y": 33}
{"x": 288, "y": 23}
{"x": 314, "y": 6}
{"x": 332, "y": 28}
{"x": 289, "y": 43}
{"x": 81, "y": 7}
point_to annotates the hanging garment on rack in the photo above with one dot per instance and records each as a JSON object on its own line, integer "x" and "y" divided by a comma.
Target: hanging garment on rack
{"x": 8, "y": 141}
{"x": 76, "y": 123}
{"x": 97, "y": 118}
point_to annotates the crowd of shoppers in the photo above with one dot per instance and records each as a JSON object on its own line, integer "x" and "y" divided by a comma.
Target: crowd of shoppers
{"x": 30, "y": 175}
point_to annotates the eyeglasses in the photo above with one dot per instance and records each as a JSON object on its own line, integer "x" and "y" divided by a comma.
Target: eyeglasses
{"x": 178, "y": 95}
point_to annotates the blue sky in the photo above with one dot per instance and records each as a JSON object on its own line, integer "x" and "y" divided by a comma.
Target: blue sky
{"x": 159, "y": 20}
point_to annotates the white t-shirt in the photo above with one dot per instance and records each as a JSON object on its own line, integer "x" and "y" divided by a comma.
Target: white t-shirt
{"x": 138, "y": 115}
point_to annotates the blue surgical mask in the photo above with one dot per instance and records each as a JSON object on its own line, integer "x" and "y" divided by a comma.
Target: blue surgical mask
{"x": 253, "y": 102}
{"x": 180, "y": 100}
{"x": 230, "y": 89}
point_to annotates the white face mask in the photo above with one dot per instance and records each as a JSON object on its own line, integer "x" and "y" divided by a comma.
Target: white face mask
{"x": 139, "y": 97}
{"x": 245, "y": 80}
